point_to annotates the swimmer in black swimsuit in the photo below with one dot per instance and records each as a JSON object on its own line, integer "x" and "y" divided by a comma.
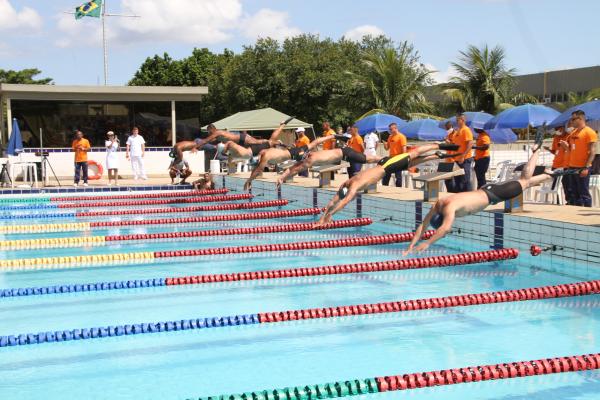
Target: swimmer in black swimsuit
{"x": 328, "y": 157}
{"x": 252, "y": 147}
{"x": 366, "y": 178}
{"x": 276, "y": 155}
{"x": 443, "y": 213}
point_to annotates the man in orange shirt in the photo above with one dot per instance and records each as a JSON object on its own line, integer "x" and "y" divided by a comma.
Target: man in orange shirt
{"x": 327, "y": 131}
{"x": 356, "y": 143}
{"x": 560, "y": 160}
{"x": 464, "y": 155}
{"x": 451, "y": 132}
{"x": 396, "y": 144}
{"x": 80, "y": 146}
{"x": 482, "y": 156}
{"x": 302, "y": 140}
{"x": 581, "y": 148}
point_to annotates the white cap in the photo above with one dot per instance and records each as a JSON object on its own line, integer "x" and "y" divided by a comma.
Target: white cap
{"x": 110, "y": 133}
{"x": 300, "y": 129}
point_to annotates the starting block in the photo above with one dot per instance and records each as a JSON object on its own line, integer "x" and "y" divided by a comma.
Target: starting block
{"x": 327, "y": 172}
{"x": 432, "y": 182}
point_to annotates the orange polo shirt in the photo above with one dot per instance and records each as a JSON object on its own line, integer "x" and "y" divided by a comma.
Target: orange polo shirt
{"x": 330, "y": 144}
{"x": 560, "y": 155}
{"x": 579, "y": 145}
{"x": 302, "y": 141}
{"x": 462, "y": 137}
{"x": 450, "y": 139}
{"x": 80, "y": 155}
{"x": 482, "y": 140}
{"x": 395, "y": 144}
{"x": 356, "y": 143}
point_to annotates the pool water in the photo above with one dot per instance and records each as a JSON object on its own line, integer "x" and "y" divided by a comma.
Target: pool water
{"x": 187, "y": 364}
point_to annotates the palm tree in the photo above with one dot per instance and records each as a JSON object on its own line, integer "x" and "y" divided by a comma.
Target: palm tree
{"x": 574, "y": 99}
{"x": 482, "y": 81}
{"x": 395, "y": 79}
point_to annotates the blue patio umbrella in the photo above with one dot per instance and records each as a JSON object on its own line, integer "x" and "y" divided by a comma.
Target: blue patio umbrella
{"x": 523, "y": 117}
{"x": 15, "y": 143}
{"x": 591, "y": 110}
{"x": 424, "y": 129}
{"x": 501, "y": 135}
{"x": 475, "y": 119}
{"x": 378, "y": 123}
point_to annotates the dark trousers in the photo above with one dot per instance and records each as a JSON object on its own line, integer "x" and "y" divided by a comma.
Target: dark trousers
{"x": 580, "y": 190}
{"x": 386, "y": 179}
{"x": 481, "y": 168}
{"x": 81, "y": 167}
{"x": 303, "y": 173}
{"x": 353, "y": 169}
{"x": 450, "y": 186}
{"x": 462, "y": 183}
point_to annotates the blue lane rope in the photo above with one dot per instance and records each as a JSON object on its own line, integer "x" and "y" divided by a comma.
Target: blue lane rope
{"x": 28, "y": 207}
{"x": 87, "y": 287}
{"x": 35, "y": 216}
{"x": 128, "y": 329}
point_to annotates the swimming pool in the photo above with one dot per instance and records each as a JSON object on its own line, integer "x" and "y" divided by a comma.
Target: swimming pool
{"x": 237, "y": 359}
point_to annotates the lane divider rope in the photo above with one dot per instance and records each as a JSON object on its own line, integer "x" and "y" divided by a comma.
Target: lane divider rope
{"x": 177, "y": 200}
{"x": 183, "y": 193}
{"x": 526, "y": 294}
{"x": 393, "y": 265}
{"x": 86, "y": 226}
{"x": 54, "y": 204}
{"x": 170, "y": 210}
{"x": 85, "y": 260}
{"x": 101, "y": 240}
{"x": 477, "y": 373}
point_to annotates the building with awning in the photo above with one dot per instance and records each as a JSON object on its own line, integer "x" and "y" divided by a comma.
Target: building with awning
{"x": 164, "y": 114}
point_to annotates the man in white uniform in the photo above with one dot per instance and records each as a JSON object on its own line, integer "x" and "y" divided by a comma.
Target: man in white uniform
{"x": 371, "y": 140}
{"x": 136, "y": 147}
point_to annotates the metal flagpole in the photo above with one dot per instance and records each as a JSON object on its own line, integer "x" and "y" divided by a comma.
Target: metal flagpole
{"x": 104, "y": 42}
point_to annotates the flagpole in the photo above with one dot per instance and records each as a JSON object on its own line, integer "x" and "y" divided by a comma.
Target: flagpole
{"x": 104, "y": 43}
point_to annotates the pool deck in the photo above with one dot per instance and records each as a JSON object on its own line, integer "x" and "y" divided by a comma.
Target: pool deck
{"x": 569, "y": 214}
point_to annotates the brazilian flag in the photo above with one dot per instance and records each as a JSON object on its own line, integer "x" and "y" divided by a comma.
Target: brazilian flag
{"x": 89, "y": 9}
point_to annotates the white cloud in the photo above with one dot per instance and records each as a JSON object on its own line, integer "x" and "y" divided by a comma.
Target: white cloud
{"x": 11, "y": 18}
{"x": 200, "y": 22}
{"x": 269, "y": 23}
{"x": 192, "y": 21}
{"x": 364, "y": 30}
{"x": 441, "y": 76}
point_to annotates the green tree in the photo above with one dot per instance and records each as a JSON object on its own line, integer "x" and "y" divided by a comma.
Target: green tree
{"x": 574, "y": 99}
{"x": 24, "y": 76}
{"x": 482, "y": 80}
{"x": 395, "y": 80}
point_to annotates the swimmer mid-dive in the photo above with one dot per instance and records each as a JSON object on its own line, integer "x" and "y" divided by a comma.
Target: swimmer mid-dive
{"x": 327, "y": 157}
{"x": 361, "y": 181}
{"x": 247, "y": 150}
{"x": 443, "y": 213}
{"x": 276, "y": 155}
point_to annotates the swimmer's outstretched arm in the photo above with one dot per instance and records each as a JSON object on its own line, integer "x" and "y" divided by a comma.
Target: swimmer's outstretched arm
{"x": 442, "y": 231}
{"x": 318, "y": 141}
{"x": 336, "y": 205}
{"x": 257, "y": 170}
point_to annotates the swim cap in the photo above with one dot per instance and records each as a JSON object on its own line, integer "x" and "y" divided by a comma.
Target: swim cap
{"x": 172, "y": 153}
{"x": 343, "y": 192}
{"x": 437, "y": 220}
{"x": 220, "y": 148}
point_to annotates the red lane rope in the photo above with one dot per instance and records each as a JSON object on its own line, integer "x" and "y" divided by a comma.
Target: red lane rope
{"x": 200, "y": 199}
{"x": 536, "y": 293}
{"x": 218, "y": 207}
{"x": 244, "y": 231}
{"x": 478, "y": 373}
{"x": 186, "y": 193}
{"x": 394, "y": 265}
{"x": 324, "y": 244}
{"x": 212, "y": 218}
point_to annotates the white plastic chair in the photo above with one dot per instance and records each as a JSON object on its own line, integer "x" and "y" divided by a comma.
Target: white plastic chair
{"x": 550, "y": 194}
{"x": 595, "y": 190}
{"x": 27, "y": 168}
{"x": 502, "y": 169}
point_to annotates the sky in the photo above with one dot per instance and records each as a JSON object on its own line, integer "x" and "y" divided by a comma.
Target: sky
{"x": 538, "y": 35}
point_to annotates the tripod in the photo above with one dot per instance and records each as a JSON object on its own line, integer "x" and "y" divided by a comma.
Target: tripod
{"x": 46, "y": 163}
